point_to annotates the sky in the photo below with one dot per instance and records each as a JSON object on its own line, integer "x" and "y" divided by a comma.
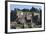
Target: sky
{"x": 12, "y": 6}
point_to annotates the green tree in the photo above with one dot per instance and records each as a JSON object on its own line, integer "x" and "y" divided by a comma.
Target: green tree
{"x": 13, "y": 15}
{"x": 25, "y": 10}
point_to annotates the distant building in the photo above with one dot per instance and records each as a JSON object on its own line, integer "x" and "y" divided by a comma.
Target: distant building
{"x": 36, "y": 14}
